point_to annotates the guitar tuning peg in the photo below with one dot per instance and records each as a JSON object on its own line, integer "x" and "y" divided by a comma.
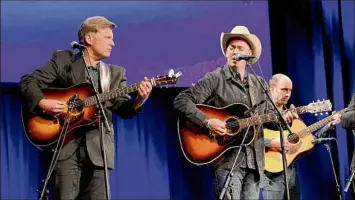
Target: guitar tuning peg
{"x": 321, "y": 113}
{"x": 316, "y": 114}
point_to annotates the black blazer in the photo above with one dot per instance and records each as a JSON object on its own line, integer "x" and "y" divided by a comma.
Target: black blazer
{"x": 64, "y": 70}
{"x": 348, "y": 119}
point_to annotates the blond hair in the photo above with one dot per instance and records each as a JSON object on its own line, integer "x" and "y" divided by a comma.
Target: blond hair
{"x": 93, "y": 24}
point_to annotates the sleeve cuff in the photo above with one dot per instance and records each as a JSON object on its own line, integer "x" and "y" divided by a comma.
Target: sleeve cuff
{"x": 267, "y": 142}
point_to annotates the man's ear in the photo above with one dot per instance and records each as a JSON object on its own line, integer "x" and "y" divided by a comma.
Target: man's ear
{"x": 88, "y": 38}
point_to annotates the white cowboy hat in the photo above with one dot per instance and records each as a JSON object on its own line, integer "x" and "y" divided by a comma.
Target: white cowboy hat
{"x": 243, "y": 33}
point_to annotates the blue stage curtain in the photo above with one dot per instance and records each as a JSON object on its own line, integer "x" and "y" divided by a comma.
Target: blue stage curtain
{"x": 149, "y": 159}
{"x": 313, "y": 43}
{"x": 21, "y": 170}
{"x": 148, "y": 165}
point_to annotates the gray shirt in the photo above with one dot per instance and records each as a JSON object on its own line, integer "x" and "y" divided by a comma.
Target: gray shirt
{"x": 247, "y": 152}
{"x": 94, "y": 73}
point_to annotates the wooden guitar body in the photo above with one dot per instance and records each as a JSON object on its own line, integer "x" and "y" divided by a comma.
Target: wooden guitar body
{"x": 273, "y": 158}
{"x": 200, "y": 147}
{"x": 43, "y": 129}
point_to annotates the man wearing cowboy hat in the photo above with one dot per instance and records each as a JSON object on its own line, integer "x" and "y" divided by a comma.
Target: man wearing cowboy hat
{"x": 227, "y": 85}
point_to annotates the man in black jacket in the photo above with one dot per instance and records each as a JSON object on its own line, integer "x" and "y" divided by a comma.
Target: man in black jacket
{"x": 226, "y": 85}
{"x": 348, "y": 119}
{"x": 348, "y": 122}
{"x": 79, "y": 171}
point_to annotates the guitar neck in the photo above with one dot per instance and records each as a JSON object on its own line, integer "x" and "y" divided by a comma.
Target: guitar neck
{"x": 310, "y": 129}
{"x": 90, "y": 101}
{"x": 252, "y": 121}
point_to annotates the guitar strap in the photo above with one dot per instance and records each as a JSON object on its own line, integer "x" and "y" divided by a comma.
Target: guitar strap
{"x": 105, "y": 79}
{"x": 252, "y": 93}
{"x": 105, "y": 76}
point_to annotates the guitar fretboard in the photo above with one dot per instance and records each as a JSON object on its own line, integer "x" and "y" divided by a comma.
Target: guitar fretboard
{"x": 252, "y": 121}
{"x": 310, "y": 129}
{"x": 90, "y": 101}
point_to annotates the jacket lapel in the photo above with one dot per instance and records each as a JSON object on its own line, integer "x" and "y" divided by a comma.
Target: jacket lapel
{"x": 252, "y": 91}
{"x": 78, "y": 69}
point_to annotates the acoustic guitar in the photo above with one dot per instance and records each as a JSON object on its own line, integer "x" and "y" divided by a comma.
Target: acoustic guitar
{"x": 200, "y": 147}
{"x": 301, "y": 136}
{"x": 43, "y": 130}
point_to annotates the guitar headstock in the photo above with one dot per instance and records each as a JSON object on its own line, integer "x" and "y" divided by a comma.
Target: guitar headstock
{"x": 320, "y": 107}
{"x": 164, "y": 80}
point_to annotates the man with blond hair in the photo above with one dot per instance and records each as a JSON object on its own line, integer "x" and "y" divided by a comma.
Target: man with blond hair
{"x": 79, "y": 172}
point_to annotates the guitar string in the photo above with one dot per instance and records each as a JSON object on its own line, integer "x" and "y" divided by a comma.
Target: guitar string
{"x": 315, "y": 126}
{"x": 268, "y": 117}
{"x": 124, "y": 90}
{"x": 251, "y": 120}
{"x": 118, "y": 92}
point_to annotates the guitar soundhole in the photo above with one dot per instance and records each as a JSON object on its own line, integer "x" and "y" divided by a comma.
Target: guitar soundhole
{"x": 75, "y": 109}
{"x": 293, "y": 138}
{"x": 232, "y": 125}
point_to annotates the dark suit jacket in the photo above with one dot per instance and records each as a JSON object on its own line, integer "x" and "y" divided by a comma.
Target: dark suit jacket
{"x": 66, "y": 69}
{"x": 348, "y": 119}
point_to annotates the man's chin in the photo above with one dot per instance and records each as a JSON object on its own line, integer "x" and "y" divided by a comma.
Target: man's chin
{"x": 106, "y": 56}
{"x": 284, "y": 102}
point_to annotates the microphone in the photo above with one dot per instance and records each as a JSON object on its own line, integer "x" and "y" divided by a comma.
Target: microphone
{"x": 239, "y": 57}
{"x": 321, "y": 140}
{"x": 350, "y": 180}
{"x": 77, "y": 45}
{"x": 247, "y": 112}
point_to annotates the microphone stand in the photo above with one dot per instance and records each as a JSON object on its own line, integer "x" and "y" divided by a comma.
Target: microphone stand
{"x": 351, "y": 179}
{"x": 58, "y": 148}
{"x": 282, "y": 122}
{"x": 230, "y": 173}
{"x": 101, "y": 113}
{"x": 335, "y": 175}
